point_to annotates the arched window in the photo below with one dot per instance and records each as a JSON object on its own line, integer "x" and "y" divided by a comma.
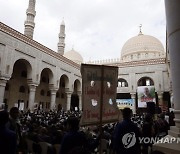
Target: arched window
{"x": 122, "y": 83}
{"x": 24, "y": 74}
{"x": 43, "y": 79}
{"x": 145, "y": 81}
{"x": 42, "y": 92}
{"x": 57, "y": 95}
{"x": 62, "y": 95}
{"x": 48, "y": 93}
{"x": 7, "y": 87}
{"x": 62, "y": 84}
{"x": 22, "y": 89}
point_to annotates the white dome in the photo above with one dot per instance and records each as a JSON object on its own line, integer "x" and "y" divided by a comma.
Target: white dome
{"x": 74, "y": 56}
{"x": 142, "y": 47}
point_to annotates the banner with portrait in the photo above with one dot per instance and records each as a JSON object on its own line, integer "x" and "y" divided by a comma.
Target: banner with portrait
{"x": 146, "y": 94}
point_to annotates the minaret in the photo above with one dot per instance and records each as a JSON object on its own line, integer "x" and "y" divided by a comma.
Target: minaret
{"x": 29, "y": 23}
{"x": 61, "y": 44}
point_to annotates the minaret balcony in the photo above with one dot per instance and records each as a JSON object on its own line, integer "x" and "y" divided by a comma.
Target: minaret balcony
{"x": 30, "y": 11}
{"x": 29, "y": 23}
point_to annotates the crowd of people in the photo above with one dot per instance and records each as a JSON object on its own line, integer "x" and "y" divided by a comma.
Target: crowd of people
{"x": 24, "y": 132}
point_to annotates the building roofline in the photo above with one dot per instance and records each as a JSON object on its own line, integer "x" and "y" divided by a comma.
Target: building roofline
{"x": 14, "y": 33}
{"x": 139, "y": 63}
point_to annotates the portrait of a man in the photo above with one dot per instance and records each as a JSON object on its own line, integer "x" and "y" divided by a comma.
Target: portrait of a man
{"x": 145, "y": 94}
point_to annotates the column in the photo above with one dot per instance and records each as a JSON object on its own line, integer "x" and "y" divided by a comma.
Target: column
{"x": 32, "y": 92}
{"x": 53, "y": 99}
{"x": 160, "y": 100}
{"x": 172, "y": 100}
{"x": 2, "y": 89}
{"x": 133, "y": 96}
{"x": 80, "y": 101}
{"x": 68, "y": 100}
{"x": 173, "y": 37}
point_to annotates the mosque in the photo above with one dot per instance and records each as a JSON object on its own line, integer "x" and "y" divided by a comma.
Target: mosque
{"x": 32, "y": 75}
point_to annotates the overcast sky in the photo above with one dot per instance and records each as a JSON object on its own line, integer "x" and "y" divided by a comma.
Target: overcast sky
{"x": 96, "y": 28}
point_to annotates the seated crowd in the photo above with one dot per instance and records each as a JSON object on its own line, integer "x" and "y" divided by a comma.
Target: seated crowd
{"x": 58, "y": 132}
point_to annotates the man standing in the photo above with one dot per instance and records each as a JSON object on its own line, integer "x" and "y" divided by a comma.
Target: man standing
{"x": 126, "y": 135}
{"x": 14, "y": 125}
{"x": 73, "y": 139}
{"x": 8, "y": 142}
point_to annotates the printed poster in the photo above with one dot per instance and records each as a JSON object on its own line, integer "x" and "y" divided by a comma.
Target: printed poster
{"x": 145, "y": 94}
{"x": 123, "y": 103}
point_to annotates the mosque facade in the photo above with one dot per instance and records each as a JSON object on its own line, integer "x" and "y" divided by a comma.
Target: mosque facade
{"x": 32, "y": 75}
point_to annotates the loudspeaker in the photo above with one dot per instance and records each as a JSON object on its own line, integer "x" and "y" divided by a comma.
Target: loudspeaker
{"x": 151, "y": 107}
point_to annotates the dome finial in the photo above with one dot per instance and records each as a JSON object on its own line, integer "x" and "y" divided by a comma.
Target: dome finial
{"x": 140, "y": 32}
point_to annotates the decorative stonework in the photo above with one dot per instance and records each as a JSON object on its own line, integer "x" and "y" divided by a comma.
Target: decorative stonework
{"x": 117, "y": 62}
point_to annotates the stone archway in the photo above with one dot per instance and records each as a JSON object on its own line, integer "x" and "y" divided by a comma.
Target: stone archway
{"x": 61, "y": 97}
{"x": 74, "y": 102}
{"x": 43, "y": 95}
{"x": 77, "y": 86}
{"x": 16, "y": 90}
{"x": 75, "y": 96}
{"x": 145, "y": 81}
